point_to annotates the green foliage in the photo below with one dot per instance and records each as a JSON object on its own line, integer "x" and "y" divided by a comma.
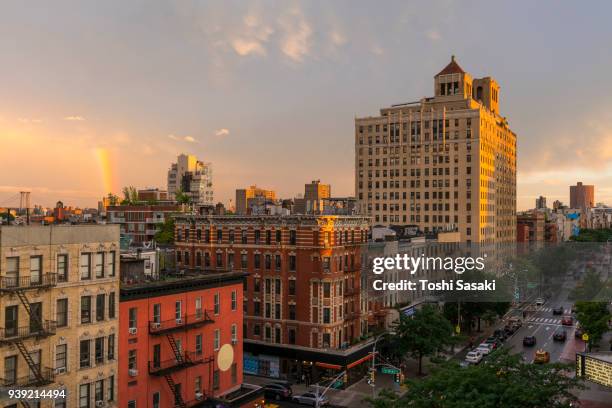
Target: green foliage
{"x": 112, "y": 199}
{"x": 182, "y": 197}
{"x": 504, "y": 381}
{"x": 594, "y": 235}
{"x": 593, "y": 318}
{"x": 165, "y": 231}
{"x": 130, "y": 196}
{"x": 423, "y": 334}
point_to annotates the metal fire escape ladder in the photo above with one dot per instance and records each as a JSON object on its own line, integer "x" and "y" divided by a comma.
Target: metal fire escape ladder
{"x": 178, "y": 398}
{"x": 177, "y": 353}
{"x": 35, "y": 368}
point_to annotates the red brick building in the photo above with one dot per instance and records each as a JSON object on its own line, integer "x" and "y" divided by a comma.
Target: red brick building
{"x": 303, "y": 286}
{"x": 180, "y": 343}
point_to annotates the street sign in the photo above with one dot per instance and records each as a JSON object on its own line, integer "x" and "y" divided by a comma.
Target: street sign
{"x": 389, "y": 370}
{"x": 531, "y": 285}
{"x": 585, "y": 337}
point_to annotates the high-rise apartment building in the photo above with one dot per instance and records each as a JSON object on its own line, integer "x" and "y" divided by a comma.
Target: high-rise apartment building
{"x": 582, "y": 196}
{"x": 540, "y": 203}
{"x": 192, "y": 177}
{"x": 315, "y": 194}
{"x": 302, "y": 294}
{"x": 252, "y": 195}
{"x": 446, "y": 162}
{"x": 59, "y": 294}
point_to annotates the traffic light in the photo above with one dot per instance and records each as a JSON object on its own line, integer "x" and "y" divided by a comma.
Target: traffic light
{"x": 345, "y": 378}
{"x": 397, "y": 377}
{"x": 372, "y": 377}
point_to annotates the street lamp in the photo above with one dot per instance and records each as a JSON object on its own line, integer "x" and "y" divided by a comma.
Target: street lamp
{"x": 373, "y": 368}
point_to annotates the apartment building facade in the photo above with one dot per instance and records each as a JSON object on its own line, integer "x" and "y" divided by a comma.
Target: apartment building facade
{"x": 446, "y": 162}
{"x": 582, "y": 196}
{"x": 193, "y": 177}
{"x": 302, "y": 294}
{"x": 180, "y": 341}
{"x": 59, "y": 289}
{"x": 140, "y": 222}
{"x": 245, "y": 197}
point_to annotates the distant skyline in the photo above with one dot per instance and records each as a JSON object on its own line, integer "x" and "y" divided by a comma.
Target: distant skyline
{"x": 96, "y": 96}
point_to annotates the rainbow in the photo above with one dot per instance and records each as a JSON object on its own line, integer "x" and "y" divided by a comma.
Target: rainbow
{"x": 103, "y": 156}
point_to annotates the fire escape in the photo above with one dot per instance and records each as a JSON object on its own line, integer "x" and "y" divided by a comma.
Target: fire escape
{"x": 182, "y": 359}
{"x": 37, "y": 328}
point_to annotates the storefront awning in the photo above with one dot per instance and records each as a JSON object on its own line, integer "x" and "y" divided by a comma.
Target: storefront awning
{"x": 327, "y": 365}
{"x": 361, "y": 360}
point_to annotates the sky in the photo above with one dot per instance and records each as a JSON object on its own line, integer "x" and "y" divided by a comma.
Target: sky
{"x": 99, "y": 95}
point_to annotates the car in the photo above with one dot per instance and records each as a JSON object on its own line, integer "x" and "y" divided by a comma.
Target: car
{"x": 509, "y": 330}
{"x": 539, "y": 301}
{"x": 567, "y": 321}
{"x": 277, "y": 391}
{"x": 529, "y": 341}
{"x": 560, "y": 335}
{"x": 541, "y": 357}
{"x": 310, "y": 398}
{"x": 493, "y": 341}
{"x": 558, "y": 310}
{"x": 501, "y": 334}
{"x": 474, "y": 357}
{"x": 484, "y": 348}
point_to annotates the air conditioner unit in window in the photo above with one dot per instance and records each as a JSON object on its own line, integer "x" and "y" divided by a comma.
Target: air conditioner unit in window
{"x": 99, "y": 403}
{"x": 179, "y": 321}
{"x": 155, "y": 325}
{"x": 199, "y": 395}
{"x": 60, "y": 370}
{"x": 132, "y": 372}
{"x": 132, "y": 330}
{"x": 234, "y": 341}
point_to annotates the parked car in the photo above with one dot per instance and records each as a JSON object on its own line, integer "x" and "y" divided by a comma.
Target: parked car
{"x": 277, "y": 391}
{"x": 540, "y": 301}
{"x": 541, "y": 357}
{"x": 529, "y": 341}
{"x": 474, "y": 357}
{"x": 484, "y": 348}
{"x": 310, "y": 398}
{"x": 493, "y": 341}
{"x": 510, "y": 329}
{"x": 558, "y": 310}
{"x": 567, "y": 321}
{"x": 560, "y": 335}
{"x": 500, "y": 334}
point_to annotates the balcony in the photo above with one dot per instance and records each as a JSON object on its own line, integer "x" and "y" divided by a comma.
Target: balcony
{"x": 162, "y": 368}
{"x": 186, "y": 322}
{"x": 48, "y": 377}
{"x": 9, "y": 335}
{"x": 15, "y": 283}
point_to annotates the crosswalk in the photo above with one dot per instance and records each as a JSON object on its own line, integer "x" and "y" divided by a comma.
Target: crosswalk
{"x": 544, "y": 320}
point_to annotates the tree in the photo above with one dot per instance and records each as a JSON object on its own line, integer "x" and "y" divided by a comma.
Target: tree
{"x": 165, "y": 232}
{"x": 182, "y": 197}
{"x": 593, "y": 318}
{"x": 423, "y": 334}
{"x": 112, "y": 199}
{"x": 130, "y": 195}
{"x": 504, "y": 381}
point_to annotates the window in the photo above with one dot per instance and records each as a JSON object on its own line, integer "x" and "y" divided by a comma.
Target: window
{"x": 291, "y": 336}
{"x": 99, "y": 350}
{"x": 132, "y": 363}
{"x": 268, "y": 237}
{"x": 231, "y": 236}
{"x": 111, "y": 263}
{"x": 326, "y": 315}
{"x": 100, "y": 305}
{"x": 326, "y": 289}
{"x": 111, "y": 388}
{"x": 157, "y": 313}
{"x": 217, "y": 306}
{"x": 132, "y": 404}
{"x": 62, "y": 268}
{"x": 132, "y": 313}
{"x": 243, "y": 261}
{"x": 12, "y": 271}
{"x": 216, "y": 380}
{"x": 256, "y": 330}
{"x": 85, "y": 266}
{"x": 234, "y": 299}
{"x": 10, "y": 370}
{"x": 60, "y": 356}
{"x": 84, "y": 354}
{"x": 292, "y": 287}
{"x": 36, "y": 270}
{"x": 111, "y": 347}
{"x": 198, "y": 307}
{"x": 99, "y": 265}
{"x": 61, "y": 312}
{"x": 291, "y": 312}
{"x": 268, "y": 262}
{"x": 243, "y": 238}
{"x": 111, "y": 305}
{"x": 85, "y": 309}
{"x": 257, "y": 261}
{"x": 292, "y": 262}
{"x": 99, "y": 391}
{"x": 156, "y": 399}
{"x": 178, "y": 310}
{"x": 278, "y": 236}
{"x": 84, "y": 396}
{"x": 292, "y": 237}
{"x": 234, "y": 334}
{"x": 217, "y": 340}
{"x": 277, "y": 262}
{"x": 11, "y": 320}
{"x": 198, "y": 344}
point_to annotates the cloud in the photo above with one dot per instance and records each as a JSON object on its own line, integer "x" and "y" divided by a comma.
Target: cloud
{"x": 74, "y": 118}
{"x": 245, "y": 47}
{"x": 377, "y": 49}
{"x": 28, "y": 120}
{"x": 189, "y": 139}
{"x": 222, "y": 132}
{"x": 337, "y": 38}
{"x": 433, "y": 34}
{"x": 296, "y": 38}
{"x": 252, "y": 37}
